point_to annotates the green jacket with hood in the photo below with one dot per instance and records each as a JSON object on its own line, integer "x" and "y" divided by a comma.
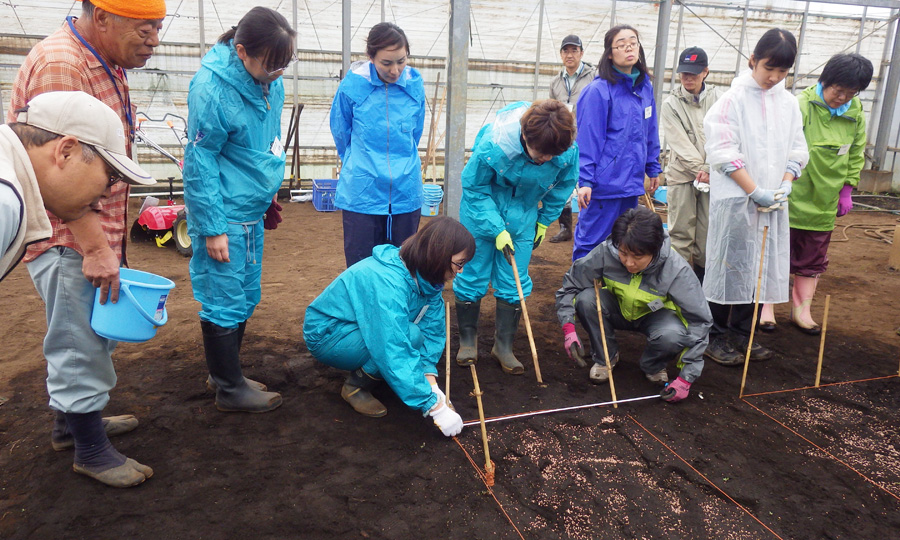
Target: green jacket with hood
{"x": 836, "y": 145}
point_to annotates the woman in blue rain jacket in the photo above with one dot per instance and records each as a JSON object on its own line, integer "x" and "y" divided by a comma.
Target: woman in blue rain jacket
{"x": 383, "y": 319}
{"x": 377, "y": 118}
{"x": 233, "y": 167}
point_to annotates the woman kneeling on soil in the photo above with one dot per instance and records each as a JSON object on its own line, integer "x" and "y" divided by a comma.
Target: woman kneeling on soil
{"x": 233, "y": 168}
{"x": 383, "y": 318}
{"x": 647, "y": 288}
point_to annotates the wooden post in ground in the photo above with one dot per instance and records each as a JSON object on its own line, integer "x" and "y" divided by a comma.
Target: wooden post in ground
{"x": 612, "y": 385}
{"x": 762, "y": 257}
{"x": 894, "y": 259}
{"x": 488, "y": 464}
{"x": 534, "y": 354}
{"x": 822, "y": 339}
{"x": 447, "y": 383}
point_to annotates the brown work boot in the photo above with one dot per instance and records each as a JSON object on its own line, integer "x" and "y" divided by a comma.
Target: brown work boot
{"x": 356, "y": 392}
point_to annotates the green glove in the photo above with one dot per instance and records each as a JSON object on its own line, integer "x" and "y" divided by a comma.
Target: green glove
{"x": 504, "y": 243}
{"x": 539, "y": 231}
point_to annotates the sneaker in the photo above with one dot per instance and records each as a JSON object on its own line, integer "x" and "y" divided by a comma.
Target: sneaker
{"x": 599, "y": 372}
{"x": 661, "y": 378}
{"x": 757, "y": 351}
{"x": 722, "y": 352}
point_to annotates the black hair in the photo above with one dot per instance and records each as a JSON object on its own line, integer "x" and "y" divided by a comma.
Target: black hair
{"x": 266, "y": 35}
{"x": 548, "y": 126}
{"x": 777, "y": 47}
{"x": 385, "y": 36}
{"x": 605, "y": 67}
{"x": 639, "y": 230}
{"x": 430, "y": 251}
{"x": 850, "y": 71}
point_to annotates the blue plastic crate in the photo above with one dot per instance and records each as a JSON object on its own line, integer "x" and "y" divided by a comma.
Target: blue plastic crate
{"x": 323, "y": 194}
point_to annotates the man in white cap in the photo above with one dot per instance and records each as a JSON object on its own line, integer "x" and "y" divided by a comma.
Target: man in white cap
{"x": 76, "y": 151}
{"x": 575, "y": 75}
{"x": 88, "y": 53}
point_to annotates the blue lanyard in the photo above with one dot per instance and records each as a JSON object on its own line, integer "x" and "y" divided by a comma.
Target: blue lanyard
{"x": 126, "y": 101}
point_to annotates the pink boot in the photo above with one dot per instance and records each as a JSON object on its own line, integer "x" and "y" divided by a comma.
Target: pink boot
{"x": 801, "y": 298}
{"x": 767, "y": 318}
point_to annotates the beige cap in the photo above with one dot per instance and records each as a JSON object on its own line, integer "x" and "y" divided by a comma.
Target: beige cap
{"x": 91, "y": 122}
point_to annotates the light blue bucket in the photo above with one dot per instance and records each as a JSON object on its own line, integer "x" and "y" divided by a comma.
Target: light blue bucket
{"x": 661, "y": 194}
{"x": 434, "y": 194}
{"x": 140, "y": 310}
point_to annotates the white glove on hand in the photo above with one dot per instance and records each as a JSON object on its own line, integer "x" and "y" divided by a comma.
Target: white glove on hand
{"x": 446, "y": 419}
{"x": 441, "y": 397}
{"x": 702, "y": 187}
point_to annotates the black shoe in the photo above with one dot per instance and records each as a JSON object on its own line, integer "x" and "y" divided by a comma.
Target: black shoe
{"x": 757, "y": 352}
{"x": 565, "y": 226}
{"x": 722, "y": 352}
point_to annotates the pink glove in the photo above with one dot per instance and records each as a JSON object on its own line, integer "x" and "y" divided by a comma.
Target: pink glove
{"x": 845, "y": 202}
{"x": 573, "y": 345}
{"x": 675, "y": 390}
{"x": 273, "y": 216}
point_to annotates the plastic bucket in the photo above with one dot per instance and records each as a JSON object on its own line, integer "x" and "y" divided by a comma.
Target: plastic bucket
{"x": 140, "y": 310}
{"x": 434, "y": 194}
{"x": 661, "y": 194}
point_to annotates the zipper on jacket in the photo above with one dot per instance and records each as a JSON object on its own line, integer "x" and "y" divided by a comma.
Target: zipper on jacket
{"x": 387, "y": 115}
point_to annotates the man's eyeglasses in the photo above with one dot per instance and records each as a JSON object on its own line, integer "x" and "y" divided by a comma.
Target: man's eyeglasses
{"x": 843, "y": 93}
{"x": 114, "y": 176}
{"x": 458, "y": 266}
{"x": 627, "y": 45}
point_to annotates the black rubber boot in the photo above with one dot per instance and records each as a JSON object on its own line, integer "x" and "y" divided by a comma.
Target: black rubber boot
{"x": 256, "y": 385}
{"x": 467, "y": 320}
{"x": 505, "y": 327}
{"x": 357, "y": 392}
{"x": 95, "y": 456}
{"x": 233, "y": 394}
{"x": 565, "y": 226}
{"x": 61, "y": 438}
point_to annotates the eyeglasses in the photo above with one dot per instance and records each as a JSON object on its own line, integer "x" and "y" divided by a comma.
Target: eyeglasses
{"x": 114, "y": 176}
{"x": 279, "y": 70}
{"x": 458, "y": 266}
{"x": 627, "y": 45}
{"x": 842, "y": 93}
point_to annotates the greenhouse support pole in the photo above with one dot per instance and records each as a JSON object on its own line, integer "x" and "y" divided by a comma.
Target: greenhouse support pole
{"x": 383, "y": 12}
{"x": 612, "y": 14}
{"x": 345, "y": 37}
{"x": 737, "y": 63}
{"x": 862, "y": 28}
{"x": 200, "y": 21}
{"x": 296, "y": 64}
{"x": 457, "y": 81}
{"x": 797, "y": 74}
{"x": 662, "y": 41}
{"x": 677, "y": 45}
{"x": 537, "y": 54}
{"x": 889, "y": 103}
{"x": 880, "y": 89}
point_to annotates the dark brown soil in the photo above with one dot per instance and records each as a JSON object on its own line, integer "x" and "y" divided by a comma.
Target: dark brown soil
{"x": 714, "y": 466}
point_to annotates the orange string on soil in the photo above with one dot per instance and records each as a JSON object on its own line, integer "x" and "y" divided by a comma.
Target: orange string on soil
{"x": 488, "y": 487}
{"x": 826, "y": 452}
{"x": 727, "y": 496}
{"x": 820, "y": 386}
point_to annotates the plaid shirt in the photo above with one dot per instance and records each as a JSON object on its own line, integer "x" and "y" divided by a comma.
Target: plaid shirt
{"x": 62, "y": 62}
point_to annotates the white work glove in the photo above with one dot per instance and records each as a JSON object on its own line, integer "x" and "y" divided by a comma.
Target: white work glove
{"x": 702, "y": 187}
{"x": 766, "y": 197}
{"x": 441, "y": 397}
{"x": 446, "y": 419}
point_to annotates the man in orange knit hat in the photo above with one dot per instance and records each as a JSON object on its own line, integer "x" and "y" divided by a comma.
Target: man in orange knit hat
{"x": 89, "y": 53}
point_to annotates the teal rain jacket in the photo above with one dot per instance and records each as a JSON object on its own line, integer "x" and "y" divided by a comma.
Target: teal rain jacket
{"x": 502, "y": 188}
{"x": 230, "y": 170}
{"x": 376, "y": 128}
{"x": 380, "y": 298}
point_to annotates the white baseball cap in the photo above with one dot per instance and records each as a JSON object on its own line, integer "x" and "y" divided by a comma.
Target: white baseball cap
{"x": 89, "y": 120}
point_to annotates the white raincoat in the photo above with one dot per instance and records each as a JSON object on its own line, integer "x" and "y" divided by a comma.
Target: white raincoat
{"x": 764, "y": 130}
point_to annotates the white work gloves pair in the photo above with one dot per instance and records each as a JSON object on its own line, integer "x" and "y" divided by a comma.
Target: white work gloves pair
{"x": 702, "y": 187}
{"x": 444, "y": 417}
{"x": 770, "y": 200}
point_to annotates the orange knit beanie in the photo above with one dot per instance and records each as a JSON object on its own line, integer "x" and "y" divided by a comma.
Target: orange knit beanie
{"x": 134, "y": 9}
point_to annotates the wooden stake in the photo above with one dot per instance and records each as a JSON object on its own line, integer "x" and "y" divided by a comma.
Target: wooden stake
{"x": 894, "y": 257}
{"x": 822, "y": 340}
{"x": 649, "y": 202}
{"x": 762, "y": 256}
{"x": 437, "y": 143}
{"x": 612, "y": 385}
{"x": 534, "y": 355}
{"x": 488, "y": 464}
{"x": 437, "y": 85}
{"x": 447, "y": 383}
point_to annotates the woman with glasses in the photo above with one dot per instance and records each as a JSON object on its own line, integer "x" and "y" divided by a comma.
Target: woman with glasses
{"x": 618, "y": 139}
{"x": 835, "y": 129}
{"x": 233, "y": 167}
{"x": 383, "y": 319}
{"x": 377, "y": 118}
